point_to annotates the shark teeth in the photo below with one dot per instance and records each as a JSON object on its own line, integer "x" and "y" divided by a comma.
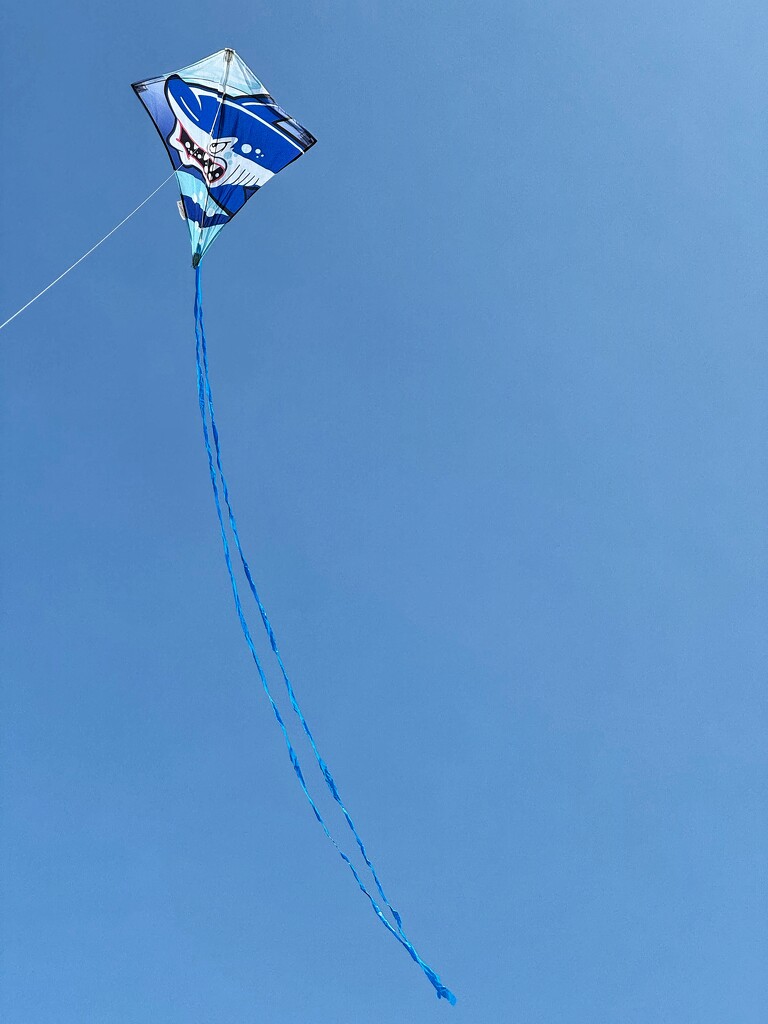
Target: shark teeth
{"x": 212, "y": 168}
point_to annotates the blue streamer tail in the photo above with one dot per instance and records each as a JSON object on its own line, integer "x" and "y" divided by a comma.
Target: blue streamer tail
{"x": 205, "y": 401}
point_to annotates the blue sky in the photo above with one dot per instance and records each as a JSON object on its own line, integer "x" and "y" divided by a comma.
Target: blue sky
{"x": 491, "y": 380}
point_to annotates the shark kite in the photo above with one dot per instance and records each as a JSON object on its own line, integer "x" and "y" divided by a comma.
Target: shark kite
{"x": 226, "y": 137}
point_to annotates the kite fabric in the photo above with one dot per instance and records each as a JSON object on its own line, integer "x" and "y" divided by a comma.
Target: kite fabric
{"x": 226, "y": 137}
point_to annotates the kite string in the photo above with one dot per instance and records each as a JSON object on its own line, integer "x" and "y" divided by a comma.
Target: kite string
{"x": 92, "y": 249}
{"x": 329, "y": 779}
{"x": 203, "y": 389}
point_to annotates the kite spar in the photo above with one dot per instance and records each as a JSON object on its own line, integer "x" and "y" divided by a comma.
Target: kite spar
{"x": 226, "y": 137}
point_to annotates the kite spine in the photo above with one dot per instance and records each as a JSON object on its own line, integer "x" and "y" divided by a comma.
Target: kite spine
{"x": 205, "y": 401}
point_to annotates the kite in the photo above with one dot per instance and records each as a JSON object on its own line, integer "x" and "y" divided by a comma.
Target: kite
{"x": 226, "y": 137}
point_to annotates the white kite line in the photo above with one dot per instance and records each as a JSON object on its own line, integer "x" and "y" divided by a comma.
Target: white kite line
{"x": 92, "y": 249}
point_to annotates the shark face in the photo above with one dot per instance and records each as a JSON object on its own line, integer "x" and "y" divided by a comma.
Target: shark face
{"x": 218, "y": 160}
{"x": 195, "y": 149}
{"x": 230, "y": 141}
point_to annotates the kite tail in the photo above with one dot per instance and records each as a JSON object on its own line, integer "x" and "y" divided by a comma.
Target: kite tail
{"x": 205, "y": 398}
{"x": 329, "y": 779}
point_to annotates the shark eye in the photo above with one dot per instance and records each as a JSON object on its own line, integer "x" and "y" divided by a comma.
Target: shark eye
{"x": 219, "y": 144}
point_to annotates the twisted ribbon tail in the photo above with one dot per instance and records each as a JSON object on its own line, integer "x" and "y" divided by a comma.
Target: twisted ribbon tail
{"x": 205, "y": 402}
{"x": 329, "y": 779}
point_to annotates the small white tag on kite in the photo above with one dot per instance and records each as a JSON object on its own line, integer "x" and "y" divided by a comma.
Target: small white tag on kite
{"x": 180, "y": 205}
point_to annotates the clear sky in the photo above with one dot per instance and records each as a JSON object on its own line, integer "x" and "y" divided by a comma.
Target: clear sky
{"x": 490, "y": 369}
